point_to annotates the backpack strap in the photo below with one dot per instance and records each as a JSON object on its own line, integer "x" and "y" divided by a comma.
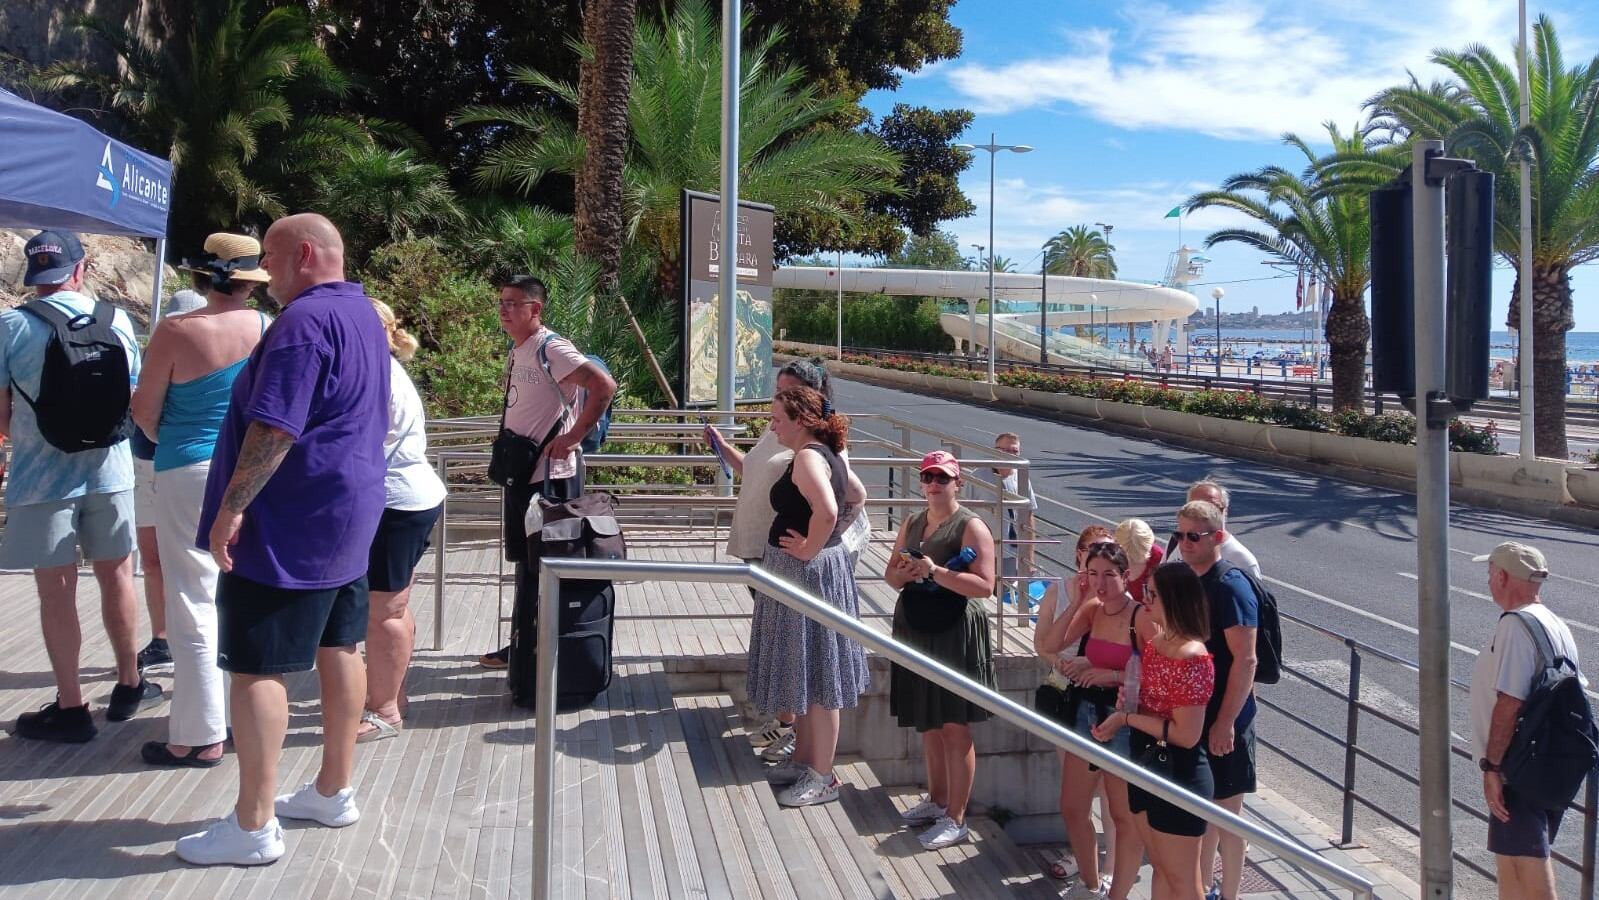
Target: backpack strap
{"x": 1547, "y": 656}
{"x": 544, "y": 363}
{"x": 58, "y": 321}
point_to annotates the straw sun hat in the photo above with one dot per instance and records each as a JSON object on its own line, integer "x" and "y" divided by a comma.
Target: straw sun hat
{"x": 237, "y": 256}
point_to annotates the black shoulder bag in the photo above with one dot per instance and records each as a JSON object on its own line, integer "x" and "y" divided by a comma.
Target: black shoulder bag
{"x": 513, "y": 456}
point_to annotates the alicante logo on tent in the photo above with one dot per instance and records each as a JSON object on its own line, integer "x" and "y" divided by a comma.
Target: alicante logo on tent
{"x": 106, "y": 179}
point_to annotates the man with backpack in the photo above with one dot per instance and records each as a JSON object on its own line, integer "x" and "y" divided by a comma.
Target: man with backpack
{"x": 554, "y": 397}
{"x": 1230, "y": 717}
{"x": 1505, "y": 688}
{"x": 71, "y": 360}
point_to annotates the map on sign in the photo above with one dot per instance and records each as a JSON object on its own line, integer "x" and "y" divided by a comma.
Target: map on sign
{"x": 708, "y": 248}
{"x": 752, "y": 362}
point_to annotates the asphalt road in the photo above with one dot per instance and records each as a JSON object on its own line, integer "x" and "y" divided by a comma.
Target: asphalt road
{"x": 1339, "y": 554}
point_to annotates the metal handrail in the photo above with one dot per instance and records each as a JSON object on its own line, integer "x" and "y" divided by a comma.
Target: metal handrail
{"x": 552, "y": 571}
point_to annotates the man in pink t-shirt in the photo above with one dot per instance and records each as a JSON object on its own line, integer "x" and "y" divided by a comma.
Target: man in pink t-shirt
{"x": 555, "y": 395}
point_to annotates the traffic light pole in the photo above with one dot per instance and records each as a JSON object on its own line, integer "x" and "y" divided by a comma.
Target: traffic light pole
{"x": 1432, "y": 521}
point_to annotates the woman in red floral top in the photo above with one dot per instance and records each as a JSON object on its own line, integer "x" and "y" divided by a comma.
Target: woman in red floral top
{"x": 1177, "y": 680}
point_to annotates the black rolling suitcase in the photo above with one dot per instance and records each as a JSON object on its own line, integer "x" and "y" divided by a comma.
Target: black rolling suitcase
{"x": 586, "y": 527}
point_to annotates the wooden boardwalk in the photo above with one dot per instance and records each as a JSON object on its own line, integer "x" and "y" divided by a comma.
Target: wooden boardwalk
{"x": 659, "y": 795}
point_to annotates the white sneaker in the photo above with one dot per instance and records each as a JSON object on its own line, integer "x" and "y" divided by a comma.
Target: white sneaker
{"x": 1080, "y": 891}
{"x": 780, "y": 749}
{"x": 769, "y": 733}
{"x": 336, "y": 811}
{"x": 226, "y": 844}
{"x": 923, "y": 813}
{"x": 785, "y": 773}
{"x": 944, "y": 833}
{"x": 812, "y": 789}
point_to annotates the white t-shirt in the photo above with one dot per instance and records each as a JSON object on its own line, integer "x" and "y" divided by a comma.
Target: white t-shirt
{"x": 409, "y": 483}
{"x": 1232, "y": 550}
{"x": 1509, "y": 663}
{"x": 533, "y": 405}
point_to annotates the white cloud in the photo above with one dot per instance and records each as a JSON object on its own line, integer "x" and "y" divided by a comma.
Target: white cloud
{"x": 1246, "y": 69}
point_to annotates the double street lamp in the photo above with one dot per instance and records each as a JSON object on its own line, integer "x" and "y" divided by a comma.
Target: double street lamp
{"x": 993, "y": 150}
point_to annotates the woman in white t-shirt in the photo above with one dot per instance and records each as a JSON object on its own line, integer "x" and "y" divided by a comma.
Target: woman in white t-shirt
{"x": 414, "y": 495}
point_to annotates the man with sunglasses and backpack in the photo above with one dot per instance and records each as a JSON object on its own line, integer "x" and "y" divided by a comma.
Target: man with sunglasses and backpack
{"x": 554, "y": 395}
{"x": 1230, "y": 715}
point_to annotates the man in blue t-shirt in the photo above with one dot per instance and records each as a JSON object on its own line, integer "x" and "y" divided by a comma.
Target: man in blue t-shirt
{"x": 1230, "y": 715}
{"x": 291, "y": 506}
{"x": 59, "y": 503}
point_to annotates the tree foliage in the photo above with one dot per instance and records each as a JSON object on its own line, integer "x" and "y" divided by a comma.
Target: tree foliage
{"x": 1081, "y": 252}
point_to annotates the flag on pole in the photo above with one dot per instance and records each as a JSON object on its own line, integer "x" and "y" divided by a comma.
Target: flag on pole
{"x": 1299, "y": 291}
{"x": 1176, "y": 211}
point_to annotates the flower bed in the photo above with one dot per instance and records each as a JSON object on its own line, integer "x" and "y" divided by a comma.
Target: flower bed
{"x": 1244, "y": 406}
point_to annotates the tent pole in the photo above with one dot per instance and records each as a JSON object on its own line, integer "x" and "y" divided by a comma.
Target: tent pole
{"x": 155, "y": 291}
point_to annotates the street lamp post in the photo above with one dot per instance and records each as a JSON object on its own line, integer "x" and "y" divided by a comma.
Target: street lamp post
{"x": 993, "y": 151}
{"x": 1217, "y": 293}
{"x": 971, "y": 312}
{"x": 1043, "y": 312}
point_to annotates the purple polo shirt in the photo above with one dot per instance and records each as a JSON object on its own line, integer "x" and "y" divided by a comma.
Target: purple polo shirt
{"x": 321, "y": 373}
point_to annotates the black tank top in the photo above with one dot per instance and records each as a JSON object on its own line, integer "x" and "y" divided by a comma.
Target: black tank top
{"x": 793, "y": 510}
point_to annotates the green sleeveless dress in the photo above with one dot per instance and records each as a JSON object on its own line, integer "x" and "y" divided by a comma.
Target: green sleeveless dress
{"x": 938, "y": 624}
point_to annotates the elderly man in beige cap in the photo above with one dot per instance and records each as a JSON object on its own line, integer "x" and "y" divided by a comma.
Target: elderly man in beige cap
{"x": 1519, "y": 833}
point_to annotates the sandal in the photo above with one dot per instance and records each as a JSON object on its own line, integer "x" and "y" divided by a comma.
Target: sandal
{"x": 1063, "y": 869}
{"x": 379, "y": 729}
{"x": 156, "y": 753}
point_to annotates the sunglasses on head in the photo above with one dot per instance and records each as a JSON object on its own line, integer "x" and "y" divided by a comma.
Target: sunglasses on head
{"x": 1193, "y": 536}
{"x": 1108, "y": 550}
{"x": 940, "y": 477}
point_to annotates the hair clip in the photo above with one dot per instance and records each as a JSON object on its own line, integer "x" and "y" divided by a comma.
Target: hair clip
{"x": 827, "y": 409}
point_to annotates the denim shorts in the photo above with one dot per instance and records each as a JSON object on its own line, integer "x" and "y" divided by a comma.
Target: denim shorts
{"x": 1088, "y": 716}
{"x": 265, "y": 630}
{"x": 1529, "y": 832}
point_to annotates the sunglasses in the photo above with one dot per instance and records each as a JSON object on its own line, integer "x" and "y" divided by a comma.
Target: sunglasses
{"x": 1109, "y": 551}
{"x": 1193, "y": 536}
{"x": 940, "y": 477}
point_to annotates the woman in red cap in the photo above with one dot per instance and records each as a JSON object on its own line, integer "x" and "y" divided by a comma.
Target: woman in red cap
{"x": 943, "y": 568}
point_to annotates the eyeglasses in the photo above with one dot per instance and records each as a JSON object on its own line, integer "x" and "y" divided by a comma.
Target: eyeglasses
{"x": 940, "y": 477}
{"x": 513, "y": 304}
{"x": 1193, "y": 536}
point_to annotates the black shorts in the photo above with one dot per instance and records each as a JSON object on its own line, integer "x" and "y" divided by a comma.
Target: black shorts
{"x": 1235, "y": 772}
{"x": 1529, "y": 832}
{"x": 1191, "y": 770}
{"x": 263, "y": 630}
{"x": 515, "y": 509}
{"x": 401, "y": 540}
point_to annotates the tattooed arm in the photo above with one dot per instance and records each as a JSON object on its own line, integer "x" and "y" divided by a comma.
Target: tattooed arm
{"x": 259, "y": 457}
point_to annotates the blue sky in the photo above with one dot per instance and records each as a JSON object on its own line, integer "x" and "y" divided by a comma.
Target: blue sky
{"x": 1133, "y": 106}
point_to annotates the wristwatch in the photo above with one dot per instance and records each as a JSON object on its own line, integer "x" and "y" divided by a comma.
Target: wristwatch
{"x": 1487, "y": 766}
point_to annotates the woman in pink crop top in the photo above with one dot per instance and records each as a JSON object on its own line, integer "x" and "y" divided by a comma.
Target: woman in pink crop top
{"x": 1103, "y": 632}
{"x": 1178, "y": 677}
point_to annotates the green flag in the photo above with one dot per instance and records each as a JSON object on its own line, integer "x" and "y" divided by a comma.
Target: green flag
{"x": 1175, "y": 212}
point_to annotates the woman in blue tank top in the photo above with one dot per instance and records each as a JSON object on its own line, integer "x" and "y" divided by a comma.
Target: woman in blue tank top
{"x": 181, "y": 399}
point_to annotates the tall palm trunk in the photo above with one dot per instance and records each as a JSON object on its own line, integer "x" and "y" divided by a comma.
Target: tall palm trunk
{"x": 1348, "y": 330}
{"x": 1551, "y": 319}
{"x": 603, "y": 88}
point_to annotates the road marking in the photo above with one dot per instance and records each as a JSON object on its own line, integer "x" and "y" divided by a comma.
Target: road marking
{"x": 1362, "y": 612}
{"x": 1078, "y": 509}
{"x": 1334, "y": 673}
{"x": 1460, "y": 590}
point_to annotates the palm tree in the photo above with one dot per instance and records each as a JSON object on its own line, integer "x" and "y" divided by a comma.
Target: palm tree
{"x": 376, "y": 196}
{"x": 603, "y": 85}
{"x": 1478, "y": 115}
{"x": 1002, "y": 264}
{"x": 675, "y": 123}
{"x": 1322, "y": 231}
{"x": 213, "y": 99}
{"x": 1082, "y": 252}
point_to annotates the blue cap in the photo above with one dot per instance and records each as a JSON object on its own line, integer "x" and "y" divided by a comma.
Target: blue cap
{"x": 52, "y": 255}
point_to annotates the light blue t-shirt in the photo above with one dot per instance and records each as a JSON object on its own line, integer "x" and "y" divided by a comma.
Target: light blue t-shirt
{"x": 40, "y": 473}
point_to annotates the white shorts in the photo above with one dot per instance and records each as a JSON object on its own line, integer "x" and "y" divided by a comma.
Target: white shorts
{"x": 47, "y": 535}
{"x": 143, "y": 493}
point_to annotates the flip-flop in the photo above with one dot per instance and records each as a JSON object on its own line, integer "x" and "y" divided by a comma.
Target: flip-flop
{"x": 1063, "y": 870}
{"x": 156, "y": 754}
{"x": 381, "y": 730}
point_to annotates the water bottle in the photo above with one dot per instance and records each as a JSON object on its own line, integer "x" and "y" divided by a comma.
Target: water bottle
{"x": 961, "y": 560}
{"x": 1130, "y": 679}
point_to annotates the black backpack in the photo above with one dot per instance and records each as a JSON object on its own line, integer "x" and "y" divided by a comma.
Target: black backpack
{"x": 84, "y": 386}
{"x": 1268, "y": 629}
{"x": 1556, "y": 744}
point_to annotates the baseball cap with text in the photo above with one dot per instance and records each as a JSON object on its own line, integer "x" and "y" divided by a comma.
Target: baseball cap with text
{"x": 52, "y": 255}
{"x": 1524, "y": 563}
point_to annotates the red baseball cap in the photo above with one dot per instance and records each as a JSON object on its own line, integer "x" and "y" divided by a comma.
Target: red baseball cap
{"x": 940, "y": 461}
